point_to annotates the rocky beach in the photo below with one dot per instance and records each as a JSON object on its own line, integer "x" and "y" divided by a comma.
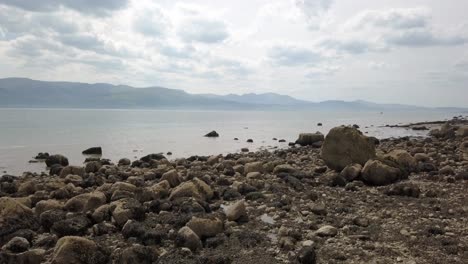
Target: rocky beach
{"x": 336, "y": 198}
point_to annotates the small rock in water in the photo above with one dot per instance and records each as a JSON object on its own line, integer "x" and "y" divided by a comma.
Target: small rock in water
{"x": 212, "y": 134}
{"x": 244, "y": 149}
{"x": 282, "y": 140}
{"x": 249, "y": 140}
{"x": 319, "y": 124}
{"x": 236, "y": 139}
{"x": 56, "y": 159}
{"x": 124, "y": 162}
{"x": 169, "y": 153}
{"x": 92, "y": 151}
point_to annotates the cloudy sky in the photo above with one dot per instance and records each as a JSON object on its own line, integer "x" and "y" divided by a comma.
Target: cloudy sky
{"x": 387, "y": 51}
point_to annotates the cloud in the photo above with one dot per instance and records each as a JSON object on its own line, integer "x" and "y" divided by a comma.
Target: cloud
{"x": 353, "y": 46}
{"x": 290, "y": 55}
{"x": 151, "y": 22}
{"x": 425, "y": 38}
{"x": 16, "y": 23}
{"x": 402, "y": 18}
{"x": 203, "y": 30}
{"x": 383, "y": 30}
{"x": 322, "y": 71}
{"x": 33, "y": 47}
{"x": 101, "y": 7}
{"x": 313, "y": 11}
{"x": 231, "y": 67}
{"x": 377, "y": 65}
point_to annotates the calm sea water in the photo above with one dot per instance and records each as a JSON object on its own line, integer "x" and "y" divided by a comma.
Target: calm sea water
{"x": 134, "y": 133}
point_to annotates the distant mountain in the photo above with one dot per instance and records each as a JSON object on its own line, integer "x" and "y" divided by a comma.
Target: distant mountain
{"x": 22, "y": 92}
{"x": 261, "y": 99}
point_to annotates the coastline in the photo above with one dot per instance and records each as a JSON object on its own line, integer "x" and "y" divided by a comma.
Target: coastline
{"x": 281, "y": 206}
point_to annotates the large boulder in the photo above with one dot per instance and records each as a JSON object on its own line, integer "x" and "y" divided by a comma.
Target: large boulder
{"x": 375, "y": 172}
{"x": 195, "y": 188}
{"x": 86, "y": 202}
{"x": 56, "y": 159}
{"x": 77, "y": 250}
{"x": 446, "y": 131}
{"x": 403, "y": 158}
{"x": 346, "y": 145}
{"x": 93, "y": 151}
{"x": 14, "y": 216}
{"x": 306, "y": 139}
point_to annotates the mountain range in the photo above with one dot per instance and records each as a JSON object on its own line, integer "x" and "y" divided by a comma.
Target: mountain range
{"x": 23, "y": 92}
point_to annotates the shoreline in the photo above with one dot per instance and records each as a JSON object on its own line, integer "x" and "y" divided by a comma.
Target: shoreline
{"x": 405, "y": 203}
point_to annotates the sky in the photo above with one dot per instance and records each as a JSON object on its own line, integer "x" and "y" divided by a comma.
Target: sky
{"x": 385, "y": 51}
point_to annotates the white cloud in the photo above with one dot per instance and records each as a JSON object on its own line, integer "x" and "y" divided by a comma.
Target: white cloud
{"x": 203, "y": 30}
{"x": 291, "y": 55}
{"x": 100, "y": 7}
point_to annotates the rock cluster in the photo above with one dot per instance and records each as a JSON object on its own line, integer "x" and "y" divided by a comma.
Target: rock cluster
{"x": 296, "y": 205}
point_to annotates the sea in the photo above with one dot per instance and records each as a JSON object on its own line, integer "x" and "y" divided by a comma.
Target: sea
{"x": 135, "y": 133}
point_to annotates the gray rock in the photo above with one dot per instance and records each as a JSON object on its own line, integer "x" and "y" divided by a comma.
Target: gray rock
{"x": 327, "y": 231}
{"x": 306, "y": 139}
{"x": 187, "y": 238}
{"x": 377, "y": 173}
{"x": 344, "y": 146}
{"x": 17, "y": 245}
{"x": 236, "y": 211}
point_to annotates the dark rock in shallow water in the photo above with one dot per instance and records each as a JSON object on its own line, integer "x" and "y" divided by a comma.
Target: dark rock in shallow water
{"x": 282, "y": 140}
{"x": 249, "y": 140}
{"x": 418, "y": 128}
{"x": 306, "y": 139}
{"x": 42, "y": 156}
{"x": 93, "y": 151}
{"x": 212, "y": 134}
{"x": 56, "y": 159}
{"x": 154, "y": 156}
{"x": 124, "y": 162}
{"x": 55, "y": 169}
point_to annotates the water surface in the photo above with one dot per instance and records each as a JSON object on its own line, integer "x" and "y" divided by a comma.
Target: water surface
{"x": 134, "y": 133}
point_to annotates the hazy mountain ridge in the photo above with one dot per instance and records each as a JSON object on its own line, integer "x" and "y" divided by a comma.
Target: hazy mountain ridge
{"x": 22, "y": 92}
